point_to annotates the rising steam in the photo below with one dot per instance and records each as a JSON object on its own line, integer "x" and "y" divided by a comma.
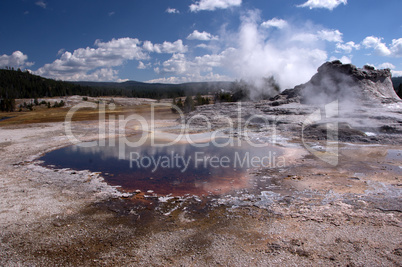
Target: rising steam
{"x": 290, "y": 54}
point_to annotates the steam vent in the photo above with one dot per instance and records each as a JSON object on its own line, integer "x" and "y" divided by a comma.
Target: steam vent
{"x": 346, "y": 83}
{"x": 369, "y": 108}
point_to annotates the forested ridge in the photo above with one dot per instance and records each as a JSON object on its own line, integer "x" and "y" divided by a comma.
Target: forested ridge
{"x": 22, "y": 84}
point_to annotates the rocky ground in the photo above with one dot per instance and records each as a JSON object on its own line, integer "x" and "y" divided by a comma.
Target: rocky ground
{"x": 307, "y": 212}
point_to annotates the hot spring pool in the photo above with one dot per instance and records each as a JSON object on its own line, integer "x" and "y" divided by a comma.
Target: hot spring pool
{"x": 178, "y": 169}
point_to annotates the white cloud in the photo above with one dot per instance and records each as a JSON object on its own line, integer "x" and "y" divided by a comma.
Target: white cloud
{"x": 214, "y": 4}
{"x": 376, "y": 43}
{"x": 344, "y": 59}
{"x": 396, "y": 47}
{"x": 185, "y": 69}
{"x": 396, "y": 73}
{"x": 172, "y": 11}
{"x": 347, "y": 47}
{"x": 176, "y": 64}
{"x": 202, "y": 36}
{"x": 111, "y": 13}
{"x": 328, "y": 4}
{"x": 41, "y": 3}
{"x": 175, "y": 47}
{"x": 330, "y": 35}
{"x": 97, "y": 63}
{"x": 16, "y": 60}
{"x": 275, "y": 22}
{"x": 166, "y": 47}
{"x": 142, "y": 66}
{"x": 104, "y": 74}
{"x": 386, "y": 65}
{"x": 94, "y": 63}
{"x": 208, "y": 62}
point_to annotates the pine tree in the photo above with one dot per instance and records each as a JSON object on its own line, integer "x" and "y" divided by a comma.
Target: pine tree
{"x": 189, "y": 104}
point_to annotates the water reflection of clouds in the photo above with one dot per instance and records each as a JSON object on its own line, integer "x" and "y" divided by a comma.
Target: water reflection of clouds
{"x": 196, "y": 179}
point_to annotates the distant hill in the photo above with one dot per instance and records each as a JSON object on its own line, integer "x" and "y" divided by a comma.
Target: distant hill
{"x": 22, "y": 84}
{"x": 157, "y": 88}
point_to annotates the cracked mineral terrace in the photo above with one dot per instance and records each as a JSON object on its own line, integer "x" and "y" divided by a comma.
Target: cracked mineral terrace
{"x": 313, "y": 211}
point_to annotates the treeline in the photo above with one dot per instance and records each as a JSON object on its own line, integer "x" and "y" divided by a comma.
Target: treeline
{"x": 22, "y": 84}
{"x": 30, "y": 105}
{"x": 189, "y": 103}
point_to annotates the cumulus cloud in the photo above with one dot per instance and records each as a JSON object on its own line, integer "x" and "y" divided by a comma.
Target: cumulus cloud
{"x": 180, "y": 68}
{"x": 214, "y": 4}
{"x": 330, "y": 35}
{"x": 94, "y": 63}
{"x": 180, "y": 64}
{"x": 202, "y": 36}
{"x": 16, "y": 60}
{"x": 347, "y": 47}
{"x": 166, "y": 47}
{"x": 42, "y": 4}
{"x": 376, "y": 43}
{"x": 104, "y": 74}
{"x": 275, "y": 22}
{"x": 328, "y": 4}
{"x": 396, "y": 73}
{"x": 176, "y": 64}
{"x": 172, "y": 11}
{"x": 143, "y": 66}
{"x": 386, "y": 65}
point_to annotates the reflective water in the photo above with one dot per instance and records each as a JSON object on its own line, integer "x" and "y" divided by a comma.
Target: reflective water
{"x": 216, "y": 167}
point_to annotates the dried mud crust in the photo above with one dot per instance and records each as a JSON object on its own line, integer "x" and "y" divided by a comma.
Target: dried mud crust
{"x": 313, "y": 214}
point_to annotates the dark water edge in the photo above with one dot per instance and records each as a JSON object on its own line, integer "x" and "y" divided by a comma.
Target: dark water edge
{"x": 177, "y": 169}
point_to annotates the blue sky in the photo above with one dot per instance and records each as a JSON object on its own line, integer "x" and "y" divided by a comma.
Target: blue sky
{"x": 176, "y": 41}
